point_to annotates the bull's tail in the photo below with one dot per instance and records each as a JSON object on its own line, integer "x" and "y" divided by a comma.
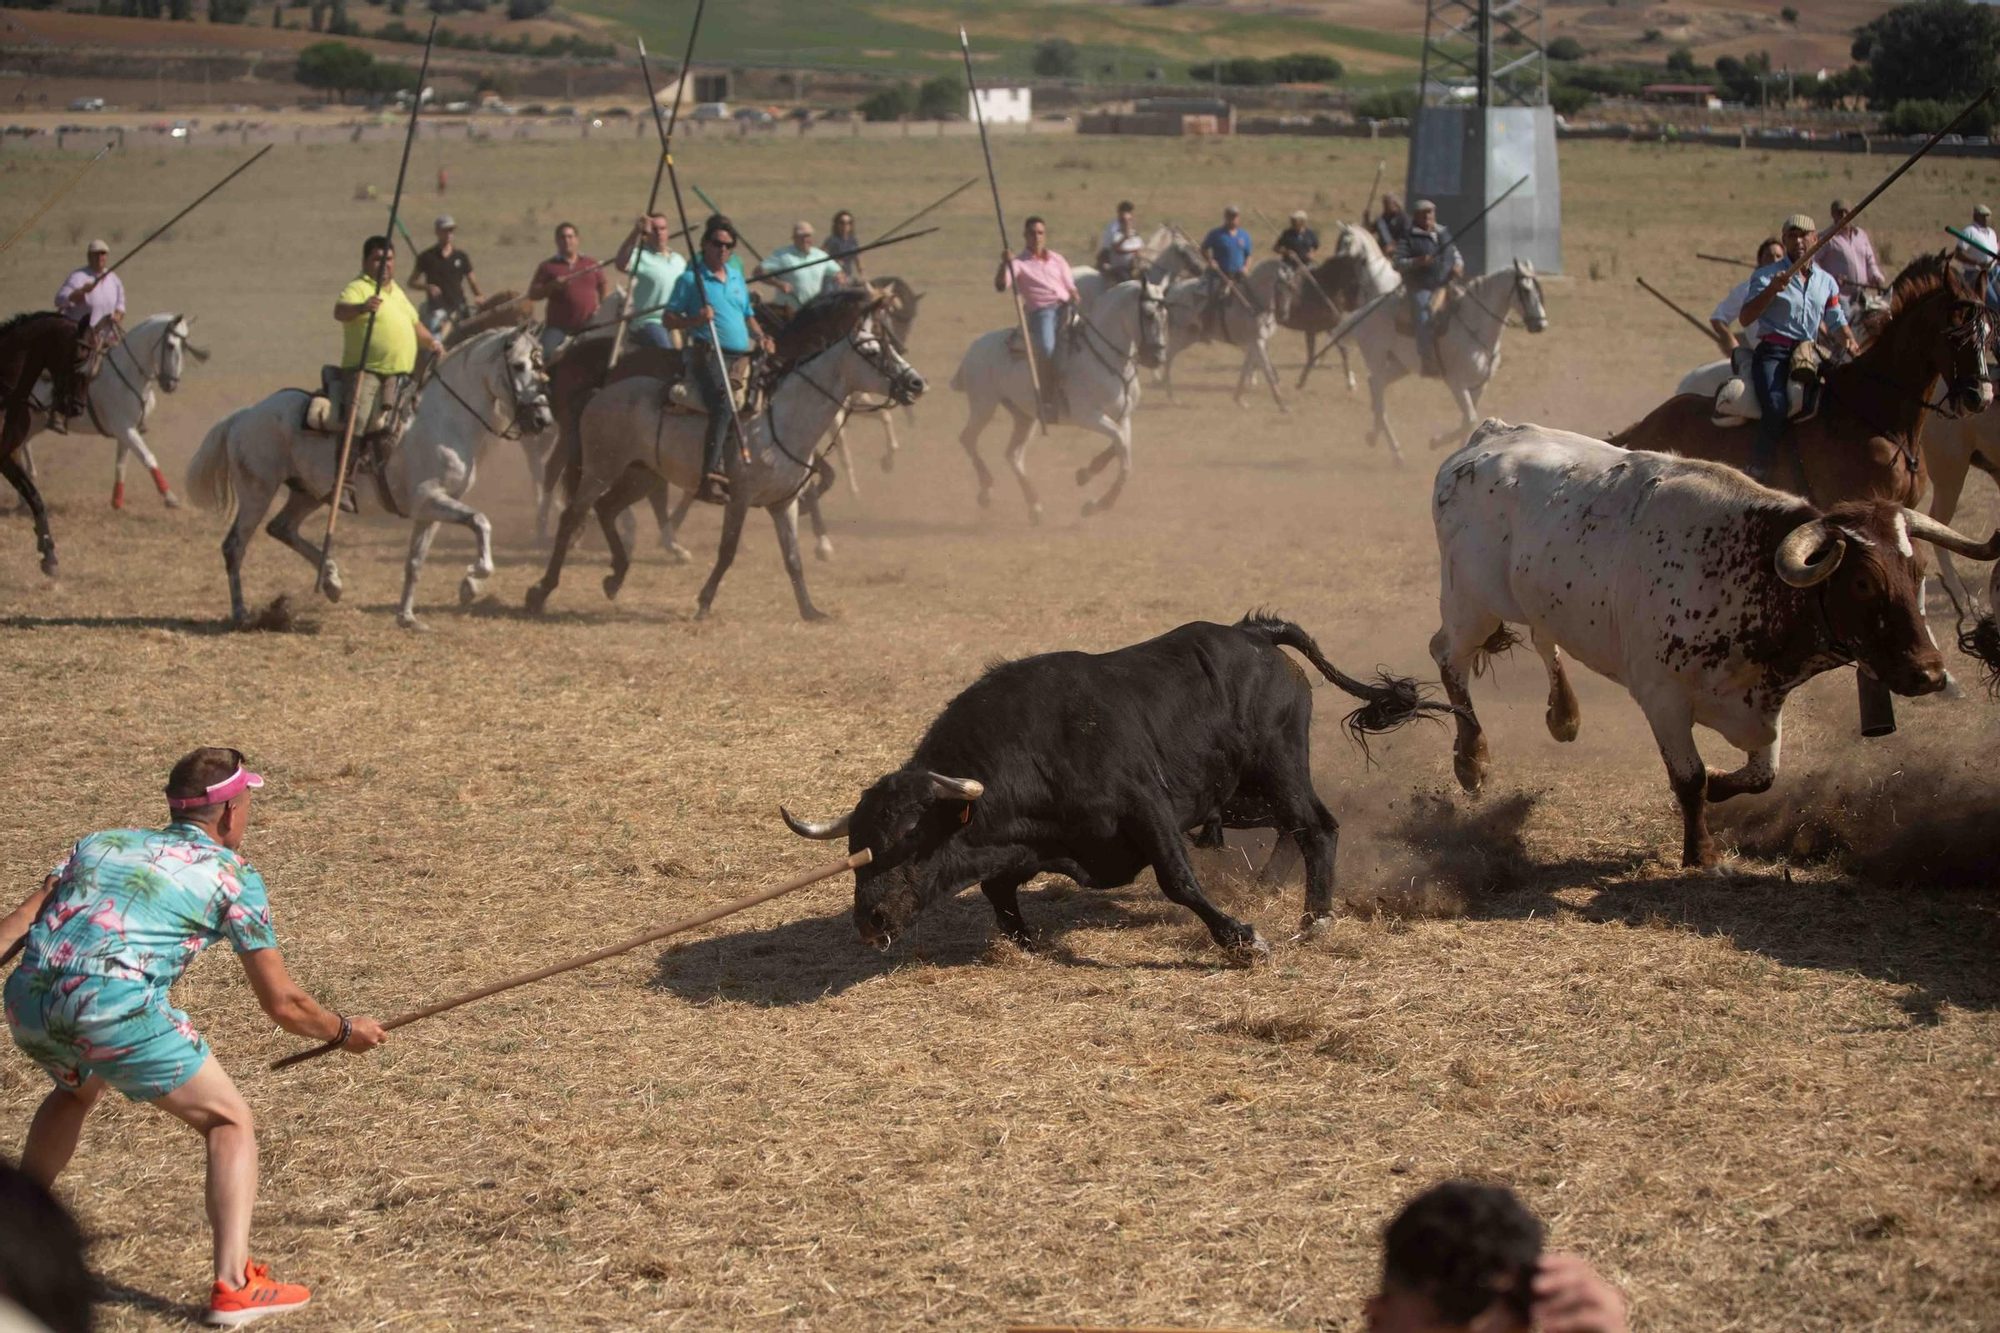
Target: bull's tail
{"x": 1388, "y": 702}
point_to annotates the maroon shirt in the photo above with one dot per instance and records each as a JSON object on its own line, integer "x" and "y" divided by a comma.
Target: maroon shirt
{"x": 573, "y": 299}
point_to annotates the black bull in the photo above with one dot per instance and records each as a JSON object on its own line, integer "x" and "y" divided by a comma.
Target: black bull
{"x": 1096, "y": 765}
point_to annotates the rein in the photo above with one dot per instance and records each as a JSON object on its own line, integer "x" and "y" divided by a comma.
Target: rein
{"x": 1906, "y": 441}
{"x": 513, "y": 431}
{"x": 815, "y": 458}
{"x": 1124, "y": 370}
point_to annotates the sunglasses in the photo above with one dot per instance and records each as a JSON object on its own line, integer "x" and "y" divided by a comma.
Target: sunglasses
{"x": 720, "y": 245}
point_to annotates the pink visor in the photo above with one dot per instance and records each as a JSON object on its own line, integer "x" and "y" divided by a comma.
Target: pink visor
{"x": 229, "y": 788}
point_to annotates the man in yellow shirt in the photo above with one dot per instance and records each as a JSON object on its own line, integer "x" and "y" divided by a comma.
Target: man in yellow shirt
{"x": 392, "y": 345}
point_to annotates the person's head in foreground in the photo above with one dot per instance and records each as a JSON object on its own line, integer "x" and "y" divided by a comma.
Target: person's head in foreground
{"x": 1467, "y": 1258}
{"x": 42, "y": 1270}
{"x": 210, "y": 788}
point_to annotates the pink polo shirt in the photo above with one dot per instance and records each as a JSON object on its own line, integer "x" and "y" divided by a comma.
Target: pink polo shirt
{"x": 1043, "y": 282}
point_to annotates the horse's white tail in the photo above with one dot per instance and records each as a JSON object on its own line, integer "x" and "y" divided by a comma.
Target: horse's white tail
{"x": 207, "y": 481}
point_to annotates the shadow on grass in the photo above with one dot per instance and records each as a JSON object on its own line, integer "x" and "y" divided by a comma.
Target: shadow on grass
{"x": 814, "y": 957}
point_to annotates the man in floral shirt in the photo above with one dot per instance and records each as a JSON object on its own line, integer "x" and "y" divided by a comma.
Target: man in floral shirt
{"x": 107, "y": 935}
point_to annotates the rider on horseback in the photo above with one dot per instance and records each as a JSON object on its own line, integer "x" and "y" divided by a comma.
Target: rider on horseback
{"x": 711, "y": 295}
{"x": 1786, "y": 314}
{"x": 95, "y": 298}
{"x": 1227, "y": 248}
{"x": 1121, "y": 250}
{"x": 445, "y": 272}
{"x": 374, "y": 388}
{"x": 1047, "y": 289}
{"x": 1427, "y": 259}
{"x": 1298, "y": 243}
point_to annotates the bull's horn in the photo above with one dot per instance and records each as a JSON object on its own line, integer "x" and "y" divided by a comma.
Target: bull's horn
{"x": 817, "y": 832}
{"x": 1794, "y": 559}
{"x": 1927, "y": 529}
{"x": 955, "y": 789}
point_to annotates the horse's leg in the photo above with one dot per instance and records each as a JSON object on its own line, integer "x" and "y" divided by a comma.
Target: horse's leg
{"x": 45, "y": 541}
{"x": 1377, "y": 391}
{"x": 536, "y": 480}
{"x": 670, "y": 525}
{"x": 889, "y": 428}
{"x": 422, "y": 531}
{"x": 1121, "y": 449}
{"x": 130, "y": 438}
{"x": 252, "y": 500}
{"x": 1312, "y": 341}
{"x": 840, "y": 447}
{"x": 1346, "y": 368}
{"x": 969, "y": 437}
{"x": 785, "y": 517}
{"x": 809, "y": 500}
{"x": 1947, "y": 484}
{"x": 1468, "y": 418}
{"x": 725, "y": 555}
{"x": 627, "y": 491}
{"x": 578, "y": 504}
{"x": 118, "y": 471}
{"x": 1017, "y": 458}
{"x": 285, "y": 528}
{"x": 1262, "y": 350}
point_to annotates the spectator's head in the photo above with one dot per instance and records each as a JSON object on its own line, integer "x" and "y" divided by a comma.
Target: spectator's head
{"x": 1125, "y": 210}
{"x": 1230, "y": 214}
{"x": 211, "y": 786}
{"x": 1839, "y": 211}
{"x": 802, "y": 234}
{"x": 41, "y": 1255}
{"x": 1423, "y": 213}
{"x": 378, "y": 258}
{"x": 657, "y": 229}
{"x": 1298, "y": 217}
{"x": 1797, "y": 234}
{"x": 566, "y": 240}
{"x": 1769, "y": 251}
{"x": 1392, "y": 204}
{"x": 843, "y": 223}
{"x": 444, "y": 227}
{"x": 1459, "y": 1258}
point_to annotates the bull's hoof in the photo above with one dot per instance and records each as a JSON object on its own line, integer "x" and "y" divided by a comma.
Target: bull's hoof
{"x": 612, "y": 583}
{"x": 1315, "y": 926}
{"x": 537, "y": 596}
{"x": 1563, "y": 725}
{"x": 1471, "y": 773}
{"x": 1253, "y": 950}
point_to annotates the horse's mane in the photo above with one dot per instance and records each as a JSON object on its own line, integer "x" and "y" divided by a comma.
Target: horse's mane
{"x": 822, "y": 322}
{"x": 15, "y": 324}
{"x": 1924, "y": 274}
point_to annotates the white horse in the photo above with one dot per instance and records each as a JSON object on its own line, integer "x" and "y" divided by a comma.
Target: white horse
{"x": 482, "y": 390}
{"x": 1467, "y": 336}
{"x": 121, "y": 396}
{"x": 630, "y": 445}
{"x": 1099, "y": 386}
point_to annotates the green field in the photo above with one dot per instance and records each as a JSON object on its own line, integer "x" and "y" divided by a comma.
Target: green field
{"x": 1117, "y": 43}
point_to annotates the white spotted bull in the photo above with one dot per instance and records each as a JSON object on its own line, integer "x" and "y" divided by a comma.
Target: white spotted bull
{"x": 1709, "y": 597}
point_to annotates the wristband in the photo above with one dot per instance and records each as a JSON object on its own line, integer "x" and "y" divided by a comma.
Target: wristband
{"x": 346, "y": 1030}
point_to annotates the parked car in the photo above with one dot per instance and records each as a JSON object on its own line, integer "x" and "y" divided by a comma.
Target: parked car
{"x": 754, "y": 115}
{"x": 1977, "y": 141}
{"x": 615, "y": 111}
{"x": 711, "y": 111}
{"x": 87, "y": 104}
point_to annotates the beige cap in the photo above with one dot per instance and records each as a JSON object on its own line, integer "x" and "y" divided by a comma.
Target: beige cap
{"x": 1800, "y": 222}
{"x": 97, "y": 248}
{"x": 802, "y": 226}
{"x": 1298, "y": 215}
{"x": 1981, "y": 211}
{"x": 1423, "y": 206}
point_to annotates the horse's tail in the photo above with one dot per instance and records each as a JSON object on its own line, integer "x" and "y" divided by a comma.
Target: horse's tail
{"x": 208, "y": 471}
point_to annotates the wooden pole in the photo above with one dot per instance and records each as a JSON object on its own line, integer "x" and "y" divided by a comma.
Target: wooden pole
{"x": 1668, "y": 302}
{"x": 923, "y": 213}
{"x": 1006, "y": 244}
{"x": 160, "y": 230}
{"x": 61, "y": 190}
{"x": 625, "y": 284}
{"x": 368, "y": 331}
{"x": 716, "y": 913}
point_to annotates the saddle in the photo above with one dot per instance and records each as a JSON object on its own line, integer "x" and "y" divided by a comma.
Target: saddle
{"x": 1066, "y": 336}
{"x": 326, "y": 411}
{"x": 1736, "y": 404}
{"x": 683, "y": 396}
{"x": 1441, "y": 303}
{"x": 98, "y": 340}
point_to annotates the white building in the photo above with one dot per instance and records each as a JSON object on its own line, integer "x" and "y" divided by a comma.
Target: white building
{"x": 1002, "y": 106}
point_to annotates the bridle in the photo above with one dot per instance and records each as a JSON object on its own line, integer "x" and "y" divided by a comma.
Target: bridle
{"x": 1123, "y": 368}
{"x": 1967, "y": 325}
{"x": 537, "y": 395}
{"x": 900, "y": 378}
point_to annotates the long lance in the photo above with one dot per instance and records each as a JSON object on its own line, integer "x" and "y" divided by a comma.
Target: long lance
{"x": 716, "y": 209}
{"x": 694, "y": 256}
{"x": 1354, "y": 322}
{"x": 857, "y": 250}
{"x": 164, "y": 227}
{"x": 368, "y": 330}
{"x": 1980, "y": 246}
{"x": 1305, "y": 269}
{"x": 1368, "y": 200}
{"x": 1819, "y": 243}
{"x": 1006, "y": 246}
{"x": 923, "y": 213}
{"x": 1725, "y": 259}
{"x": 1668, "y": 302}
{"x": 652, "y": 202}
{"x": 716, "y": 913}
{"x": 52, "y": 200}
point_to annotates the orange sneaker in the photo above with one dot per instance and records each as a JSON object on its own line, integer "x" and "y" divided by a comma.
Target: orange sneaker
{"x": 229, "y": 1306}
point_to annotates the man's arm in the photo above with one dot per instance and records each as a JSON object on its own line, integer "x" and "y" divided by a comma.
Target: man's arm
{"x": 542, "y": 284}
{"x": 349, "y": 311}
{"x": 1724, "y": 339}
{"x": 14, "y": 926}
{"x": 473, "y": 282}
{"x": 299, "y": 1013}
{"x": 1754, "y": 308}
{"x": 1569, "y": 1297}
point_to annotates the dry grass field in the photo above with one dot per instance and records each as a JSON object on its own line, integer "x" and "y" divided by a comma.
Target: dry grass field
{"x": 1758, "y": 1099}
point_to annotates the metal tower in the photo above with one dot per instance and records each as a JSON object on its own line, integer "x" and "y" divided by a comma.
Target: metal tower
{"x": 1483, "y": 122}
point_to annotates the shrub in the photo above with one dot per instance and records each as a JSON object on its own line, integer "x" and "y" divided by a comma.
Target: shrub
{"x": 1565, "y": 48}
{"x": 1387, "y": 105}
{"x": 941, "y": 98}
{"x": 891, "y": 103}
{"x": 1056, "y": 58}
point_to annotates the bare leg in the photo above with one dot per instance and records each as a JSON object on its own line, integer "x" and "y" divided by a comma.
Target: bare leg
{"x": 1165, "y": 849}
{"x": 1312, "y": 340}
{"x": 889, "y": 429}
{"x": 809, "y": 501}
{"x": 1262, "y": 350}
{"x": 670, "y": 528}
{"x": 250, "y": 508}
{"x": 1376, "y": 390}
{"x": 1121, "y": 449}
{"x": 58, "y": 1124}
{"x": 1673, "y": 728}
{"x": 210, "y": 1105}
{"x": 1453, "y": 648}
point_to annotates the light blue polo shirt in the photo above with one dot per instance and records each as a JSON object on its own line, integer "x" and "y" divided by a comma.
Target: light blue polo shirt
{"x": 653, "y": 277}
{"x": 806, "y": 282}
{"x": 727, "y": 297}
{"x": 1796, "y": 311}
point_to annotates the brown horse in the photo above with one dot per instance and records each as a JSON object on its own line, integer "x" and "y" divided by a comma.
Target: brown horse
{"x": 32, "y": 345}
{"x": 1865, "y": 441}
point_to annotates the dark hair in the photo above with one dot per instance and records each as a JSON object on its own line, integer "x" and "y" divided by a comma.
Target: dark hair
{"x": 557, "y": 233}
{"x": 1125, "y": 206}
{"x": 846, "y": 213}
{"x": 373, "y": 246}
{"x": 41, "y": 1255}
{"x": 1766, "y": 244}
{"x": 1464, "y": 1246}
{"x": 1032, "y": 219}
{"x": 197, "y": 771}
{"x": 718, "y": 222}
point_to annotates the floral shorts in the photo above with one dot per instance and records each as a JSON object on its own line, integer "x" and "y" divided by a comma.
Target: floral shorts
{"x": 124, "y": 1032}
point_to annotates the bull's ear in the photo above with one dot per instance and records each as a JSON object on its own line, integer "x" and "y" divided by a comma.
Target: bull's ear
{"x": 955, "y": 789}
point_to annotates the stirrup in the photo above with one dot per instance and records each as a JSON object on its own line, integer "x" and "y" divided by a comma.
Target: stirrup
{"x": 714, "y": 489}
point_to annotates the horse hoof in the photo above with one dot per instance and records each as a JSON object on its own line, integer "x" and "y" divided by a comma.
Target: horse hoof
{"x": 1083, "y": 476}
{"x": 1035, "y": 514}
{"x": 612, "y": 583}
{"x": 823, "y": 550}
{"x": 986, "y": 499}
{"x": 1089, "y": 508}
{"x": 888, "y": 462}
{"x": 170, "y": 500}
{"x": 49, "y": 566}
{"x": 404, "y": 620}
{"x": 468, "y": 590}
{"x": 537, "y": 596}
{"x": 679, "y": 554}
